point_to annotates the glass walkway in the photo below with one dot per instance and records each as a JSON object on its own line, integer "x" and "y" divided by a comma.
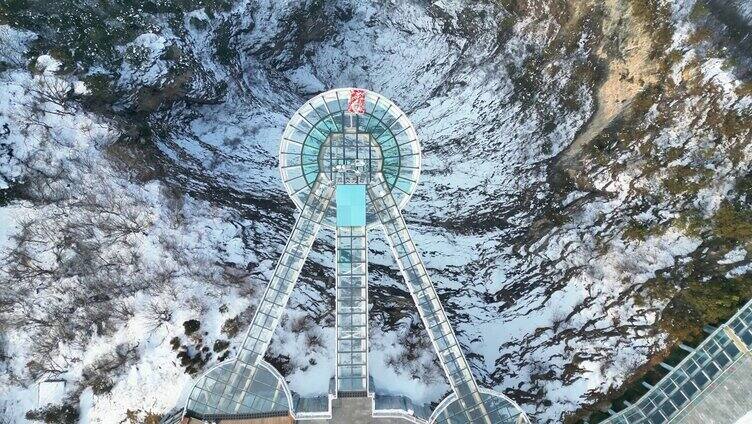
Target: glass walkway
{"x": 713, "y": 384}
{"x": 352, "y": 291}
{"x": 350, "y": 161}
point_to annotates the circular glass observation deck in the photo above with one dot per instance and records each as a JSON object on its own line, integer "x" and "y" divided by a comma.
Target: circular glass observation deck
{"x": 349, "y": 136}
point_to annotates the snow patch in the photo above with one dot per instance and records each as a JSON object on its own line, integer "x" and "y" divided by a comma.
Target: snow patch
{"x": 47, "y": 64}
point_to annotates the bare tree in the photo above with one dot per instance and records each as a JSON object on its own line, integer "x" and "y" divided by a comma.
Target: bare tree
{"x": 13, "y": 46}
{"x": 158, "y": 313}
{"x": 51, "y": 94}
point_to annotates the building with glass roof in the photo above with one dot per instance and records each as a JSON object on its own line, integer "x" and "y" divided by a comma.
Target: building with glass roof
{"x": 350, "y": 160}
{"x": 712, "y": 384}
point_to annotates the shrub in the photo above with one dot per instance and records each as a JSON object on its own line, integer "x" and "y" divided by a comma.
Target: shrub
{"x": 700, "y": 35}
{"x": 98, "y": 373}
{"x": 638, "y": 231}
{"x": 221, "y": 345}
{"x": 175, "y": 343}
{"x": 734, "y": 125}
{"x": 193, "y": 363}
{"x": 691, "y": 223}
{"x": 732, "y": 223}
{"x": 717, "y": 299}
{"x": 699, "y": 11}
{"x": 191, "y": 326}
{"x": 55, "y": 414}
{"x": 152, "y": 418}
{"x": 661, "y": 288}
{"x": 141, "y": 417}
{"x": 643, "y": 9}
{"x": 231, "y": 327}
{"x": 745, "y": 89}
{"x": 100, "y": 384}
{"x": 700, "y": 303}
{"x": 680, "y": 321}
{"x": 687, "y": 179}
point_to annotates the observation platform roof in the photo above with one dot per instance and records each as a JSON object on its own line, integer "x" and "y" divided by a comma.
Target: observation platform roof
{"x": 325, "y": 134}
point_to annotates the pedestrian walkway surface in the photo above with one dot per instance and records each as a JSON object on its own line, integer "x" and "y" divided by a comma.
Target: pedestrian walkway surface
{"x": 355, "y": 411}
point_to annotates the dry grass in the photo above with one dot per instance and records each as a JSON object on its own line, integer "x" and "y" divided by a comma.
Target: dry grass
{"x": 700, "y": 35}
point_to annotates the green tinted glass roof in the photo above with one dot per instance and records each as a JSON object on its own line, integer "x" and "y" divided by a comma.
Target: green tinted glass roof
{"x": 326, "y": 134}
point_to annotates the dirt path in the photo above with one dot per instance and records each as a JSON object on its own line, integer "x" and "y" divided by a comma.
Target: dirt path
{"x": 625, "y": 50}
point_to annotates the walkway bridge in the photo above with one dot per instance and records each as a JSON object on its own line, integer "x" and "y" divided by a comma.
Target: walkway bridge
{"x": 713, "y": 384}
{"x": 350, "y": 160}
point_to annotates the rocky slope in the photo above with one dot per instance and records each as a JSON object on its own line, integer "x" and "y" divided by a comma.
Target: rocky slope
{"x": 583, "y": 195}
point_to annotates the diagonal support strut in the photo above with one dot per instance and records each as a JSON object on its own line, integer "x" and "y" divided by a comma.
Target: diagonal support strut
{"x": 428, "y": 304}
{"x": 230, "y": 390}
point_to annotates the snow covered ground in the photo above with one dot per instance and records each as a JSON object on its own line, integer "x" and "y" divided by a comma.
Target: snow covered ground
{"x": 115, "y": 240}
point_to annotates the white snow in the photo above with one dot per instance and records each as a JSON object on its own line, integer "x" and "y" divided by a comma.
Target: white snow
{"x": 523, "y": 308}
{"x": 717, "y": 71}
{"x": 13, "y": 44}
{"x": 47, "y": 64}
{"x": 195, "y": 244}
{"x": 143, "y": 62}
{"x": 735, "y": 255}
{"x": 746, "y": 419}
{"x": 79, "y": 87}
{"x": 419, "y": 388}
{"x": 50, "y": 391}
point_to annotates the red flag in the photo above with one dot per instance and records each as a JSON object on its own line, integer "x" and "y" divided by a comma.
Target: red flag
{"x": 357, "y": 102}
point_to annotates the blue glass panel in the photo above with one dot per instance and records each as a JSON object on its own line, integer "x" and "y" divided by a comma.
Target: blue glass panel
{"x": 351, "y": 205}
{"x": 747, "y": 337}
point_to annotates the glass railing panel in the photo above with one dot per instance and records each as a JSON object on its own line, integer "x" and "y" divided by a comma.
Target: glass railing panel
{"x": 424, "y": 294}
